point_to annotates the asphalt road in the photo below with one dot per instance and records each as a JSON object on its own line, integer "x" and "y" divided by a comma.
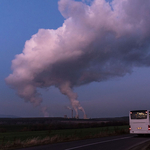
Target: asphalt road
{"x": 124, "y": 142}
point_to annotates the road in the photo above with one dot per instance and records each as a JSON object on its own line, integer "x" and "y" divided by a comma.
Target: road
{"x": 124, "y": 142}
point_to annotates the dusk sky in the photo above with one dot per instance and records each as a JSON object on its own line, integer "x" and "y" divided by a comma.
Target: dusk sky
{"x": 92, "y": 56}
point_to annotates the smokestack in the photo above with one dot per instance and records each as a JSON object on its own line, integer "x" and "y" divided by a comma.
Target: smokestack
{"x": 72, "y": 113}
{"x": 85, "y": 117}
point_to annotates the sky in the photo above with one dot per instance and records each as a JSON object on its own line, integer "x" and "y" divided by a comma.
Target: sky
{"x": 89, "y": 56}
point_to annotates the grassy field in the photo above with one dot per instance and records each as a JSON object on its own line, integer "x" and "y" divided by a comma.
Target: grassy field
{"x": 14, "y": 138}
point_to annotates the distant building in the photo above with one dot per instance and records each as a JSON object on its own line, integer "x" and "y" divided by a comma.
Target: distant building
{"x": 65, "y": 116}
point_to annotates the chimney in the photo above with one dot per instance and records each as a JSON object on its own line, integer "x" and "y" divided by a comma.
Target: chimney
{"x": 72, "y": 113}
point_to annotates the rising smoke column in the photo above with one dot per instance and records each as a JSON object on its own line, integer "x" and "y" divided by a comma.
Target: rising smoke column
{"x": 96, "y": 42}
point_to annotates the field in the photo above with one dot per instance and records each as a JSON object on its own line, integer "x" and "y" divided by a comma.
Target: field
{"x": 29, "y": 134}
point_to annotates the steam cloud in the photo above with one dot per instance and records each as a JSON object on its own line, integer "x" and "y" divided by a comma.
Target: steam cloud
{"x": 96, "y": 42}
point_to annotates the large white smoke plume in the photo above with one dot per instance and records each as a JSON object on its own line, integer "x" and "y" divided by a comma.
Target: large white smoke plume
{"x": 96, "y": 42}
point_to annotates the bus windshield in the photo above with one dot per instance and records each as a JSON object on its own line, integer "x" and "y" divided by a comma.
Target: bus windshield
{"x": 141, "y": 114}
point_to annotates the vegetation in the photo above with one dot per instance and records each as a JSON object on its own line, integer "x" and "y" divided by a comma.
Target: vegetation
{"x": 27, "y": 134}
{"x": 30, "y": 138}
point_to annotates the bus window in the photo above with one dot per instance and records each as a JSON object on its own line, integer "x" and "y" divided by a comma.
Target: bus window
{"x": 138, "y": 114}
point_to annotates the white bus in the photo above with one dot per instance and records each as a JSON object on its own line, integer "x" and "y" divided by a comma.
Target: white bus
{"x": 139, "y": 121}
